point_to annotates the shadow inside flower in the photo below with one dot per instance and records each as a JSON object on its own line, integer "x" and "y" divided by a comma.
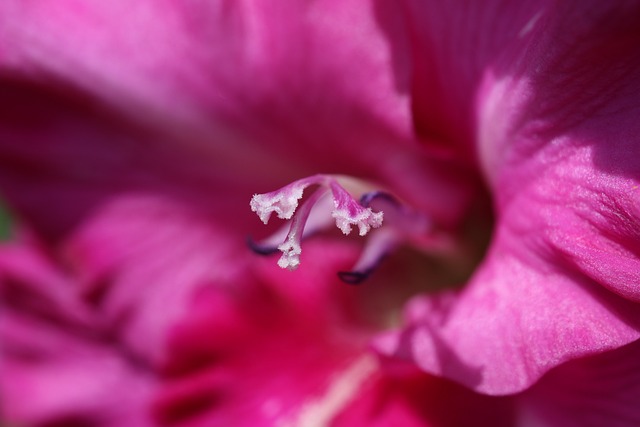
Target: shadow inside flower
{"x": 427, "y": 341}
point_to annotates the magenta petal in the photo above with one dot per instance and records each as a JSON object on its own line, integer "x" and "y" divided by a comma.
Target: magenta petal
{"x": 511, "y": 324}
{"x": 60, "y": 364}
{"x": 236, "y": 61}
{"x": 117, "y": 206}
{"x": 67, "y": 381}
{"x": 139, "y": 253}
{"x": 594, "y": 391}
{"x": 30, "y": 280}
{"x": 255, "y": 358}
{"x": 557, "y": 116}
{"x": 294, "y": 85}
{"x": 563, "y": 167}
{"x": 403, "y": 397}
{"x": 264, "y": 358}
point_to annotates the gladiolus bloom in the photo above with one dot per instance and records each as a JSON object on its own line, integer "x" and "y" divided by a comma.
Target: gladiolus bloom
{"x": 472, "y": 167}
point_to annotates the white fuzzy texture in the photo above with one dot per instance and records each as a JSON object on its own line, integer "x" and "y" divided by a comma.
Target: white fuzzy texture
{"x": 283, "y": 202}
{"x": 365, "y": 220}
{"x": 291, "y": 251}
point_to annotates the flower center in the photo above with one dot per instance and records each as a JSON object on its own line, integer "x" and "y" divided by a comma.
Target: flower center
{"x": 349, "y": 203}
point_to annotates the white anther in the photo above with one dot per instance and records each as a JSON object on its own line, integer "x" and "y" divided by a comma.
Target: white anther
{"x": 284, "y": 204}
{"x": 365, "y": 220}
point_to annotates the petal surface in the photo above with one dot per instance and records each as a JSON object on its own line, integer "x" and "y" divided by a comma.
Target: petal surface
{"x": 316, "y": 92}
{"x": 598, "y": 390}
{"x": 557, "y": 138}
{"x": 61, "y": 365}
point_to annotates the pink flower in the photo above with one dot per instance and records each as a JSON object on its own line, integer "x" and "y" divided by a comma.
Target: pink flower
{"x": 134, "y": 134}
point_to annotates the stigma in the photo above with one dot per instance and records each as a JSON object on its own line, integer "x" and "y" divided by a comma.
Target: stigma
{"x": 332, "y": 199}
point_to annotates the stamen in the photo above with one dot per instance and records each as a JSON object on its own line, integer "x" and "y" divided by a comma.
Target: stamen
{"x": 283, "y": 202}
{"x": 401, "y": 222}
{"x": 291, "y": 248}
{"x": 346, "y": 212}
{"x": 331, "y": 200}
{"x": 376, "y": 249}
{"x": 318, "y": 220}
{"x": 261, "y": 248}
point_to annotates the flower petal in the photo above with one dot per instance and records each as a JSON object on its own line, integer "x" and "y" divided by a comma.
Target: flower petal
{"x": 139, "y": 260}
{"x": 321, "y": 82}
{"x": 558, "y": 141}
{"x": 403, "y": 397}
{"x": 195, "y": 55}
{"x": 259, "y": 355}
{"x": 594, "y": 391}
{"x": 56, "y": 366}
{"x": 573, "y": 155}
{"x": 511, "y": 324}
